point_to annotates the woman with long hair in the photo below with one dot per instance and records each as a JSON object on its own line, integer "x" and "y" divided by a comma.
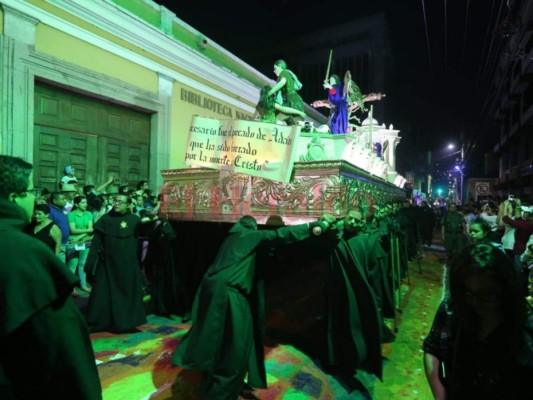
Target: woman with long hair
{"x": 480, "y": 345}
{"x": 286, "y": 93}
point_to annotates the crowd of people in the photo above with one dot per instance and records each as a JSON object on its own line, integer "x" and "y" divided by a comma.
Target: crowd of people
{"x": 480, "y": 342}
{"x": 506, "y": 224}
{"x": 102, "y": 239}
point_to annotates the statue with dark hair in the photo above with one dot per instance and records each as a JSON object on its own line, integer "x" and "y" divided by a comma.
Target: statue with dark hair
{"x": 337, "y": 102}
{"x": 286, "y": 93}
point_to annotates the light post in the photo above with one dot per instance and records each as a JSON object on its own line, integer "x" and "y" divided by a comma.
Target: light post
{"x": 459, "y": 168}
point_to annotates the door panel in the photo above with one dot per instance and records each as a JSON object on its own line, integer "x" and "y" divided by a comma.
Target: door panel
{"x": 99, "y": 139}
{"x": 55, "y": 148}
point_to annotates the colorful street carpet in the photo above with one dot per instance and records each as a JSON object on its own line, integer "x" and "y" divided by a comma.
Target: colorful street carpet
{"x": 138, "y": 365}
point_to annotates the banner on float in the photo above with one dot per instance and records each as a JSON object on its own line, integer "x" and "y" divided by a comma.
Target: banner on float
{"x": 245, "y": 147}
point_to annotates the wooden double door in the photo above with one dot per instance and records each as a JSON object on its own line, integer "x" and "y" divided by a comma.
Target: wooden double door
{"x": 99, "y": 139}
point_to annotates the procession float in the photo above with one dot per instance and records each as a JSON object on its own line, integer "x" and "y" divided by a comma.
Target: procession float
{"x": 240, "y": 167}
{"x": 292, "y": 172}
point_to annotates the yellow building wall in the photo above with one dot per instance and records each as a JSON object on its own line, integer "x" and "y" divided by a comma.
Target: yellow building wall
{"x": 60, "y": 45}
{"x": 186, "y": 103}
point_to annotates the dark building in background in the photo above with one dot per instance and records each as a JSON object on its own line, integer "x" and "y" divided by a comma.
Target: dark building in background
{"x": 361, "y": 46}
{"x": 508, "y": 111}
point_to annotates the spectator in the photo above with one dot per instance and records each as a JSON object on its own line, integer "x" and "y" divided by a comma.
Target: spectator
{"x": 480, "y": 232}
{"x": 91, "y": 192}
{"x": 43, "y": 336}
{"x": 43, "y": 197}
{"x": 69, "y": 191}
{"x": 524, "y": 229}
{"x": 479, "y": 346}
{"x": 141, "y": 187}
{"x": 68, "y": 177}
{"x": 59, "y": 216}
{"x": 490, "y": 216}
{"x": 99, "y": 207}
{"x": 470, "y": 215}
{"x": 508, "y": 234}
{"x": 124, "y": 190}
{"x": 44, "y": 229}
{"x": 80, "y": 223}
{"x": 527, "y": 261}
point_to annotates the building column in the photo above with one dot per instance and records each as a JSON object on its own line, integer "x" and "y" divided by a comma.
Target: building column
{"x": 392, "y": 139}
{"x": 161, "y": 127}
{"x": 16, "y": 81}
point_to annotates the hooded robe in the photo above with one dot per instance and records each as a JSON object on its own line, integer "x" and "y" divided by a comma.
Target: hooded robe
{"x": 116, "y": 302}
{"x": 226, "y": 338}
{"x": 45, "y": 349}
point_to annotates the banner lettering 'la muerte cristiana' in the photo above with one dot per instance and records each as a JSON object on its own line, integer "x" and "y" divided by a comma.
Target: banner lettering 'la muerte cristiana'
{"x": 243, "y": 147}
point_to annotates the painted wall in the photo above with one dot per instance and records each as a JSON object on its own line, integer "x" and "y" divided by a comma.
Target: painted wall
{"x": 75, "y": 45}
{"x": 186, "y": 101}
{"x": 60, "y": 45}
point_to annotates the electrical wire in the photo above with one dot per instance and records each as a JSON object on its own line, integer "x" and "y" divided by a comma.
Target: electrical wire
{"x": 492, "y": 41}
{"x": 466, "y": 30}
{"x": 445, "y": 36}
{"x": 484, "y": 46}
{"x": 487, "y": 102}
{"x": 427, "y": 37}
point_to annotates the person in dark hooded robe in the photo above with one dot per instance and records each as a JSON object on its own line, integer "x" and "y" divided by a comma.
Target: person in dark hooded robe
{"x": 226, "y": 338}
{"x": 45, "y": 348}
{"x": 166, "y": 285}
{"x": 353, "y": 322}
{"x": 116, "y": 302}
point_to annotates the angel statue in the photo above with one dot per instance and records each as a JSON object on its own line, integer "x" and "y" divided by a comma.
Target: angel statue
{"x": 356, "y": 100}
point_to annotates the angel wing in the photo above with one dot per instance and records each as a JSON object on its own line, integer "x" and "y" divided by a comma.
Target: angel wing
{"x": 352, "y": 92}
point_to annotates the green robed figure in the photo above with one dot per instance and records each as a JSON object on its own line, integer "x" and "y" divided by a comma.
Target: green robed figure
{"x": 226, "y": 338}
{"x": 353, "y": 323}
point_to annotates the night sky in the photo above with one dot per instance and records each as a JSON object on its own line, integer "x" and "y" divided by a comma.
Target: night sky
{"x": 436, "y": 96}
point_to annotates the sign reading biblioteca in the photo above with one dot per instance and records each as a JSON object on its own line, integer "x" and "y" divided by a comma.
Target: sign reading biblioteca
{"x": 244, "y": 147}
